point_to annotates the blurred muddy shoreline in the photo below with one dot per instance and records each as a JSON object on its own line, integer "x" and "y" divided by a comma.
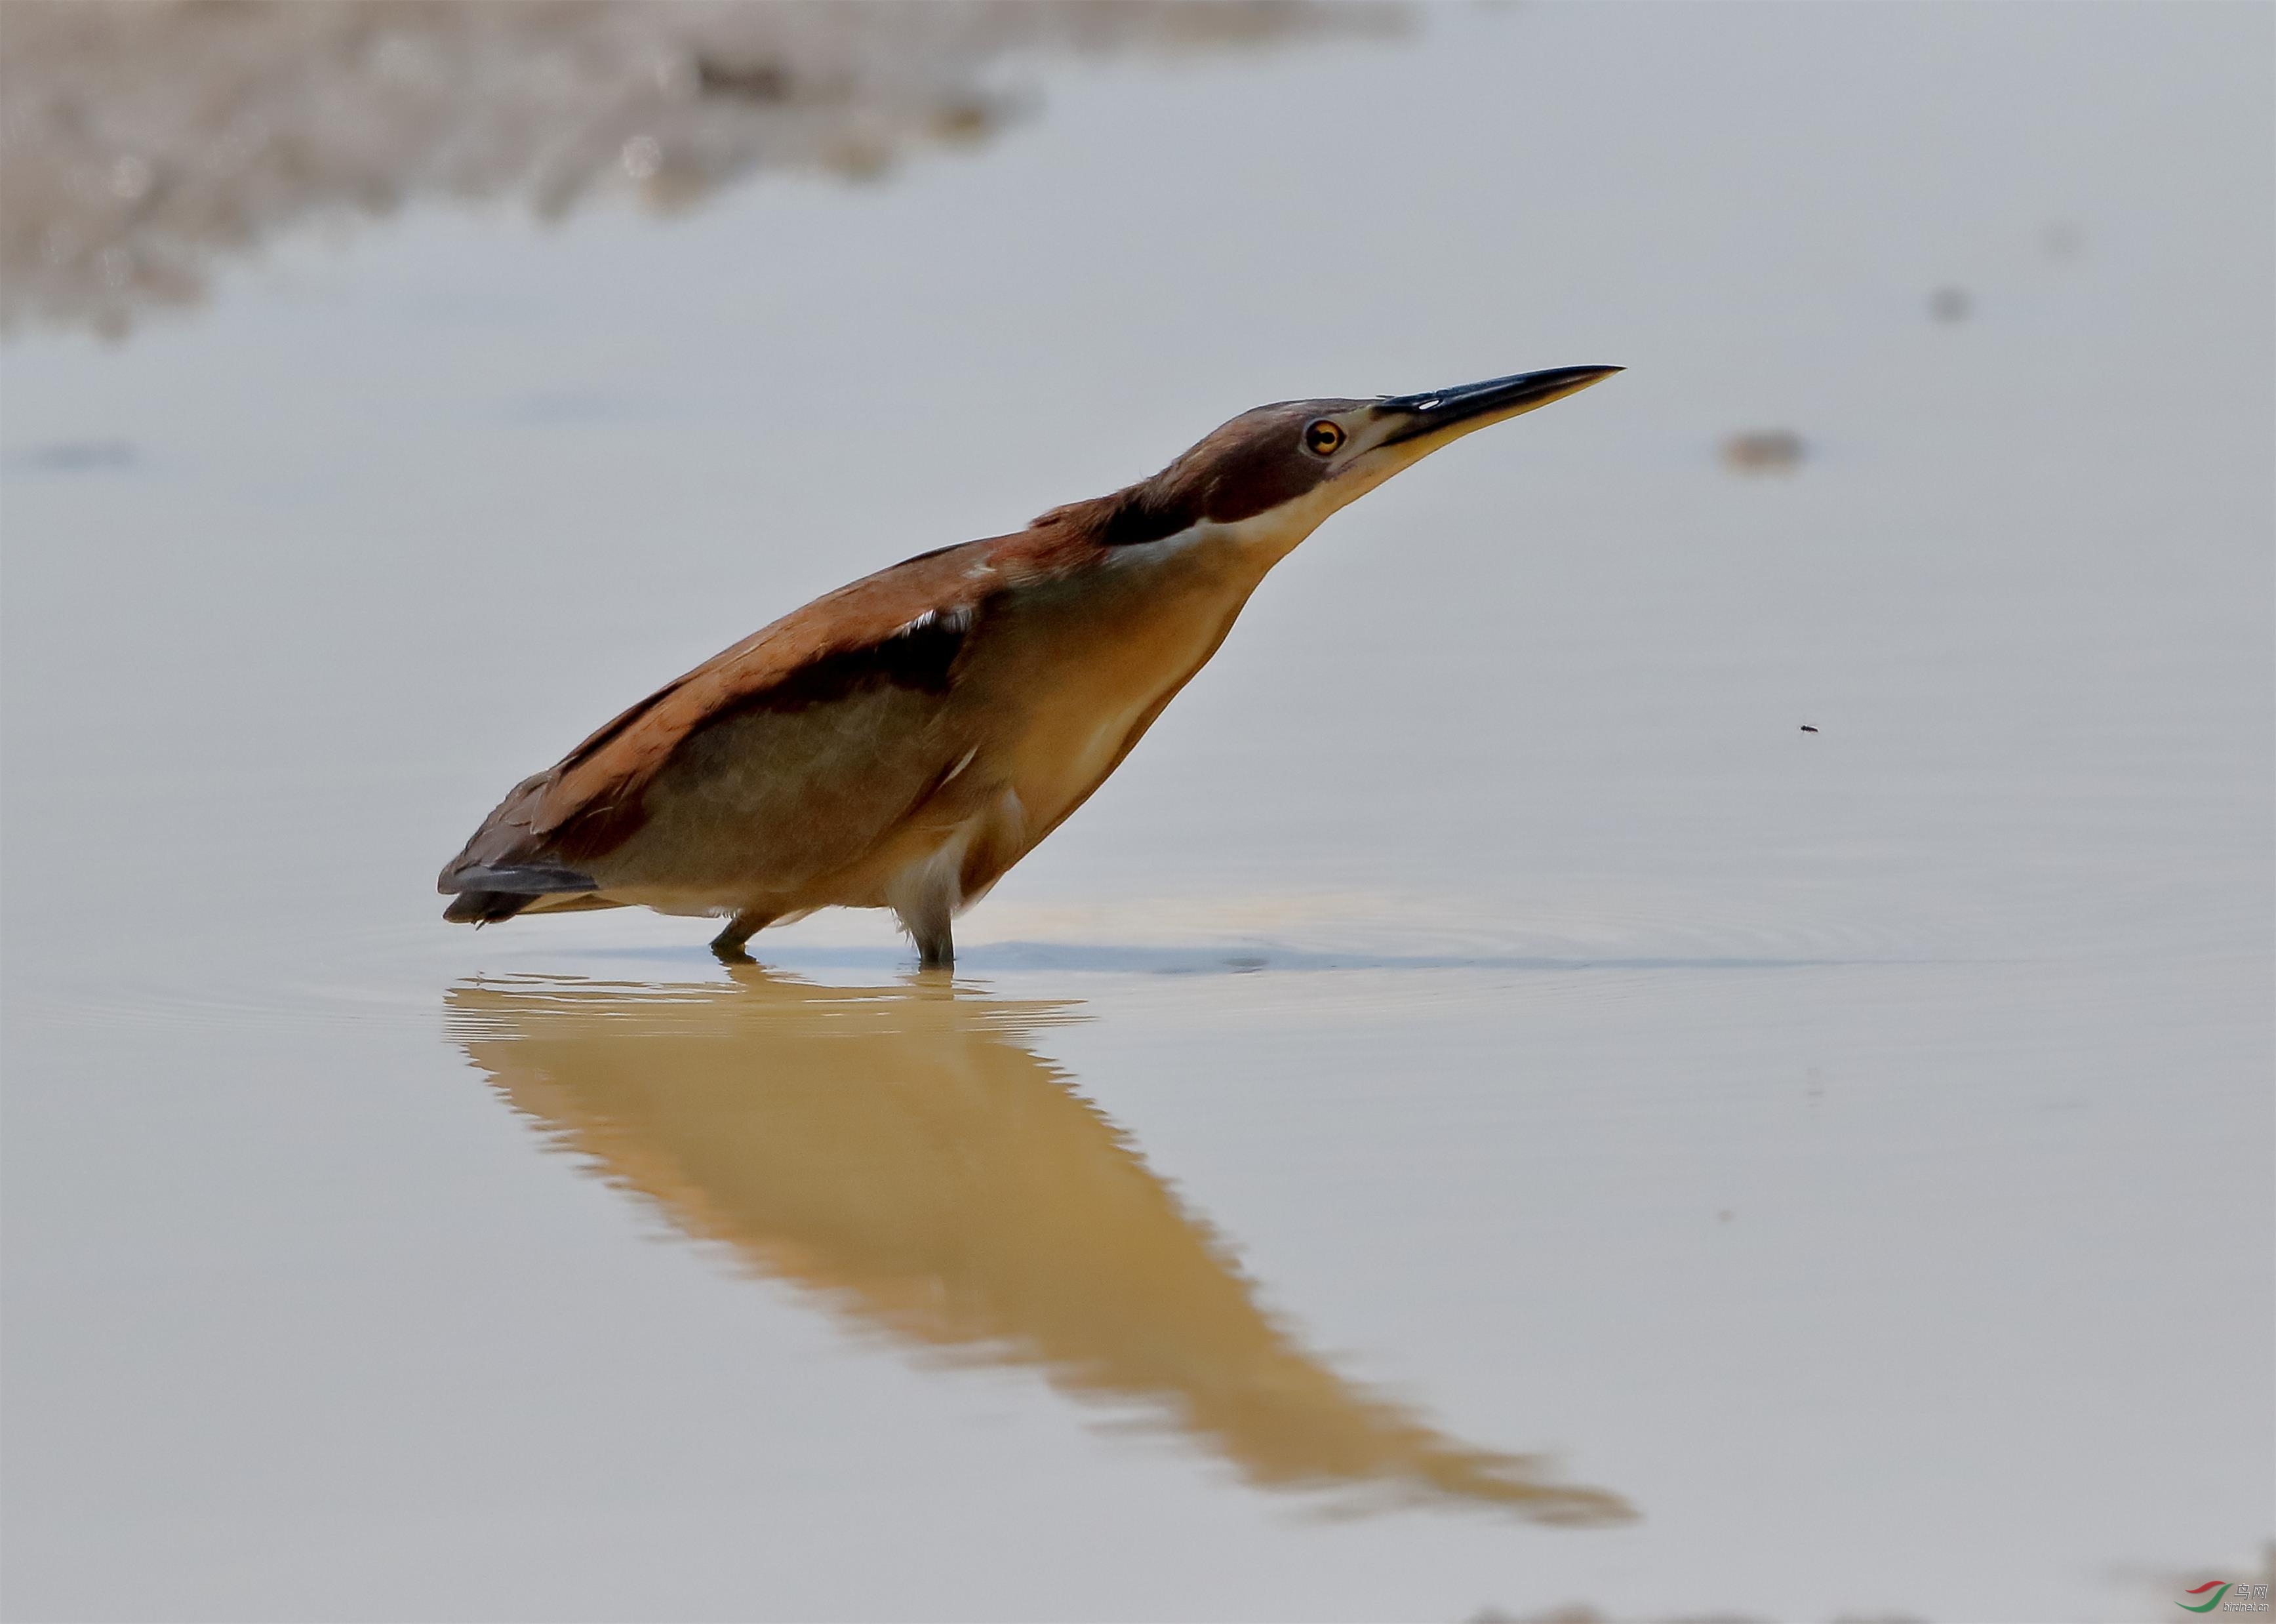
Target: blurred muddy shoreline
{"x": 143, "y": 144}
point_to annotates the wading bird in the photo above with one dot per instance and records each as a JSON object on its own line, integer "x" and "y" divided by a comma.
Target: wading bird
{"x": 901, "y": 742}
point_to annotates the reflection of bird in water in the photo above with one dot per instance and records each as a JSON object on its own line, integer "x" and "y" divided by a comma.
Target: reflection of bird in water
{"x": 899, "y": 1151}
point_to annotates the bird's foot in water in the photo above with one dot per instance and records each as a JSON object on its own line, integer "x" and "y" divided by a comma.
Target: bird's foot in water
{"x": 728, "y": 944}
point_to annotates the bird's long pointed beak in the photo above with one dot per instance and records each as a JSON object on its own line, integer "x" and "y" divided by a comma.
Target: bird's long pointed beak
{"x": 1447, "y": 414}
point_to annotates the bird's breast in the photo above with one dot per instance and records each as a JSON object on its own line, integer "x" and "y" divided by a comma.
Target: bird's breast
{"x": 1073, "y": 670}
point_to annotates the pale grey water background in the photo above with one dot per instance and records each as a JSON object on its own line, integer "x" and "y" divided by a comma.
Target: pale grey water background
{"x": 1848, "y": 1149}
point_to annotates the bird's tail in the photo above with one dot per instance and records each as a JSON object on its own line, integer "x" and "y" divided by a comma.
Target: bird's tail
{"x": 487, "y": 893}
{"x": 485, "y": 907}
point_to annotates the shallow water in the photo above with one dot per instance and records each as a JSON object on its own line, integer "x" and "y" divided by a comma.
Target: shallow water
{"x": 1484, "y": 1112}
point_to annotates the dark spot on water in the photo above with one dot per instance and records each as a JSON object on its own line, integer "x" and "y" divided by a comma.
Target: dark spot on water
{"x": 78, "y": 457}
{"x": 1763, "y": 451}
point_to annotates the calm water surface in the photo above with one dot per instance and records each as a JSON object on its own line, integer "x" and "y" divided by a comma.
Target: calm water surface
{"x": 1484, "y": 1112}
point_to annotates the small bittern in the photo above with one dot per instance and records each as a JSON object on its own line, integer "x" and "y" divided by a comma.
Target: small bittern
{"x": 901, "y": 742}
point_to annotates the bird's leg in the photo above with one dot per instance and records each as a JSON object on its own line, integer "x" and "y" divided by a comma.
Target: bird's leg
{"x": 745, "y": 925}
{"x": 927, "y": 919}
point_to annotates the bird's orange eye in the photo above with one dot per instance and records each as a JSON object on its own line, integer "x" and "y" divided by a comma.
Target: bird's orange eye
{"x": 1322, "y": 437}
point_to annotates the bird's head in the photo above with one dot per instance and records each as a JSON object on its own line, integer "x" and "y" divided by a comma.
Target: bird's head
{"x": 1272, "y": 475}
